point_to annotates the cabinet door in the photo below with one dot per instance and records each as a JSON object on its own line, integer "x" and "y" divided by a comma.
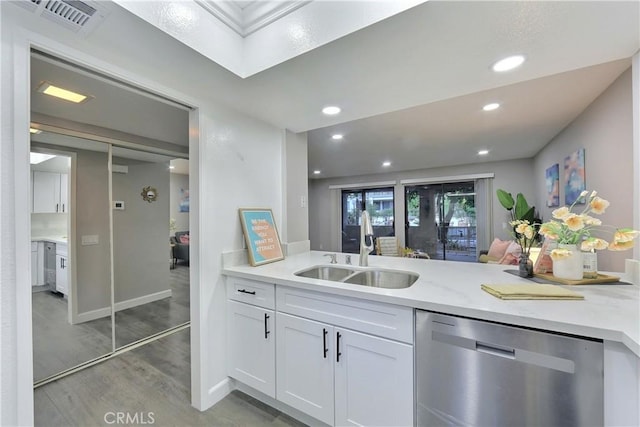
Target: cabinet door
{"x": 251, "y": 346}
{"x": 373, "y": 381}
{"x": 304, "y": 370}
{"x": 64, "y": 193}
{"x": 46, "y": 192}
{"x": 62, "y": 268}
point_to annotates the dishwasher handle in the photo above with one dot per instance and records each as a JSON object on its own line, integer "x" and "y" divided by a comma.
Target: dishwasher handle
{"x": 509, "y": 353}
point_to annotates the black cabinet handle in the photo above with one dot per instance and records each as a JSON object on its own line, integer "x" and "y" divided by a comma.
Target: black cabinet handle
{"x": 338, "y": 354}
{"x": 266, "y": 326}
{"x": 56, "y": 207}
{"x": 324, "y": 342}
{"x": 244, "y": 291}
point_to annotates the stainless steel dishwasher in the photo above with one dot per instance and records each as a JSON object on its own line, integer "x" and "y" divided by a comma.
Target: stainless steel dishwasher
{"x": 478, "y": 373}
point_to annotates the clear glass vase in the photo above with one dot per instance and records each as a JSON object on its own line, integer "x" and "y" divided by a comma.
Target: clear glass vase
{"x": 525, "y": 266}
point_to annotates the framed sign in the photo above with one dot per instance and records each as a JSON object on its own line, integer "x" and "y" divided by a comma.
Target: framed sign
{"x": 261, "y": 235}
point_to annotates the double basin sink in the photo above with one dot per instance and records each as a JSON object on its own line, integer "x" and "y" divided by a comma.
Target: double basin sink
{"x": 374, "y": 277}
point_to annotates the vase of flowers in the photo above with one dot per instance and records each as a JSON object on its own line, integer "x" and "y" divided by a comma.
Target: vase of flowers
{"x": 525, "y": 235}
{"x": 574, "y": 233}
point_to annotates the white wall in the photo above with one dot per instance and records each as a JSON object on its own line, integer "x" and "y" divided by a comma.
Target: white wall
{"x": 140, "y": 242}
{"x": 236, "y": 161}
{"x": 324, "y": 204}
{"x": 605, "y": 131}
{"x": 296, "y": 221}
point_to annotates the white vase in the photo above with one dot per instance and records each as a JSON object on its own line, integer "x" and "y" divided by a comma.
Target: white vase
{"x": 569, "y": 268}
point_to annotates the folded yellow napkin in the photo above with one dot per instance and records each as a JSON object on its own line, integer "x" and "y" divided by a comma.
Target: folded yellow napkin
{"x": 531, "y": 291}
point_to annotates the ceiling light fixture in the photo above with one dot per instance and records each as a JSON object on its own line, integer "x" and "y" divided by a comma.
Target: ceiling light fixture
{"x": 483, "y": 152}
{"x": 336, "y": 137}
{"x": 331, "y": 110}
{"x": 34, "y": 131}
{"x": 491, "y": 107}
{"x": 316, "y": 172}
{"x": 508, "y": 63}
{"x": 49, "y": 89}
{"x": 386, "y": 163}
{"x": 35, "y": 158}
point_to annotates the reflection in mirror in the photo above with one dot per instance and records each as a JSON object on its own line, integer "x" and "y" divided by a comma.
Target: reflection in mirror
{"x": 70, "y": 263}
{"x": 150, "y": 244}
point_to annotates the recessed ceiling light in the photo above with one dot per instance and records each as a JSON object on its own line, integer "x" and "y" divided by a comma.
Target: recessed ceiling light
{"x": 58, "y": 92}
{"x": 508, "y": 63}
{"x": 316, "y": 172}
{"x": 331, "y": 110}
{"x": 35, "y": 158}
{"x": 171, "y": 167}
{"x": 34, "y": 131}
{"x": 386, "y": 163}
{"x": 491, "y": 107}
{"x": 336, "y": 137}
{"x": 483, "y": 152}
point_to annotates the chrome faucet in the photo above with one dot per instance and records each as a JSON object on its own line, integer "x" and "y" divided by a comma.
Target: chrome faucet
{"x": 366, "y": 230}
{"x": 333, "y": 258}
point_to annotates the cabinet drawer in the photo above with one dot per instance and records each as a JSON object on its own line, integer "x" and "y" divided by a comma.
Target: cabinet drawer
{"x": 62, "y": 249}
{"x": 257, "y": 293}
{"x": 384, "y": 320}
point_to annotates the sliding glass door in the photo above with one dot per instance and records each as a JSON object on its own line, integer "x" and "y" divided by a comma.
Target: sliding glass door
{"x": 379, "y": 202}
{"x": 440, "y": 219}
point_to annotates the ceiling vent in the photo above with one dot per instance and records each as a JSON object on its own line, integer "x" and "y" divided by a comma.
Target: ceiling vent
{"x": 81, "y": 17}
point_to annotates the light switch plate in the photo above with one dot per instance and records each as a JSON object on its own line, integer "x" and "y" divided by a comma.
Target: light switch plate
{"x": 90, "y": 239}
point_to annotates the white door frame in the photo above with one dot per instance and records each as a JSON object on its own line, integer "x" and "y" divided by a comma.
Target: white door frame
{"x": 23, "y": 41}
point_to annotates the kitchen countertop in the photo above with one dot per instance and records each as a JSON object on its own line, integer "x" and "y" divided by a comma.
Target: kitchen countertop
{"x": 54, "y": 239}
{"x": 608, "y": 312}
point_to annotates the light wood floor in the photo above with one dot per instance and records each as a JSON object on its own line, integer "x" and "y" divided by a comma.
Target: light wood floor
{"x": 150, "y": 381}
{"x": 58, "y": 345}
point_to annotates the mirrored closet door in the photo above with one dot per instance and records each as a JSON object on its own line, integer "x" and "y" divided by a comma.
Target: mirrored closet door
{"x": 109, "y": 217}
{"x": 151, "y": 264}
{"x": 71, "y": 268}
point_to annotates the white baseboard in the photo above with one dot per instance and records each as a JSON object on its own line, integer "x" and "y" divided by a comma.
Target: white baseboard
{"x": 87, "y": 316}
{"x": 145, "y": 299}
{"x": 217, "y": 393}
{"x": 122, "y": 305}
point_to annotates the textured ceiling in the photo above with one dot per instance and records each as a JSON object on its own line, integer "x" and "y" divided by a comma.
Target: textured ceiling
{"x": 412, "y": 86}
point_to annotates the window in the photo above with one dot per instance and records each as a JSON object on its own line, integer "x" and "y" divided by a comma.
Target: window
{"x": 379, "y": 202}
{"x": 440, "y": 219}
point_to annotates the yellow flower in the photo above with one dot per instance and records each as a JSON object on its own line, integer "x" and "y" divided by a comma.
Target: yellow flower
{"x": 558, "y": 254}
{"x": 624, "y": 235}
{"x": 561, "y": 213}
{"x": 574, "y": 222}
{"x": 598, "y": 205}
{"x": 593, "y": 243}
{"x": 620, "y": 246}
{"x": 548, "y": 229}
{"x": 521, "y": 228}
{"x": 589, "y": 220}
{"x": 529, "y": 232}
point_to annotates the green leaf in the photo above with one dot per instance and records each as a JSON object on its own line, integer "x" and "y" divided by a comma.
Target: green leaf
{"x": 505, "y": 199}
{"x": 522, "y": 207}
{"x": 529, "y": 215}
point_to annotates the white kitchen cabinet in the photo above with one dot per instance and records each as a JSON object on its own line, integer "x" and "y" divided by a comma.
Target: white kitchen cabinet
{"x": 62, "y": 269}
{"x": 305, "y": 366}
{"x": 373, "y": 381}
{"x": 50, "y": 192}
{"x": 251, "y": 346}
{"x": 337, "y": 375}
{"x": 251, "y": 334}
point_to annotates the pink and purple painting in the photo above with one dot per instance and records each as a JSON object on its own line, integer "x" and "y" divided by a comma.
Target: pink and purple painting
{"x": 574, "y": 176}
